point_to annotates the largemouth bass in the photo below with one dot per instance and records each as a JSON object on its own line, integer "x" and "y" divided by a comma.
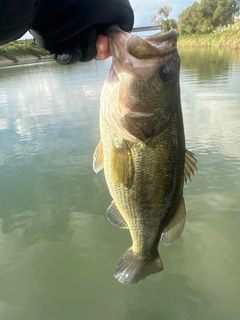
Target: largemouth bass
{"x": 142, "y": 148}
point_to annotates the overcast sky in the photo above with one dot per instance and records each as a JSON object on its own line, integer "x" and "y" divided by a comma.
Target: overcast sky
{"x": 144, "y": 8}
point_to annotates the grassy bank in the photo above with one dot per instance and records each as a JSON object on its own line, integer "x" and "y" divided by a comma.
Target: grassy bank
{"x": 222, "y": 37}
{"x": 15, "y": 49}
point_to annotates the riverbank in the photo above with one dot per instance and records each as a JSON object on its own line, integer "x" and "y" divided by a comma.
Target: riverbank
{"x": 228, "y": 37}
{"x": 21, "y": 51}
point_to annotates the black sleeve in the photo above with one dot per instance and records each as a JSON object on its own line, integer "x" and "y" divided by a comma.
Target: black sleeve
{"x": 16, "y": 16}
{"x": 68, "y": 29}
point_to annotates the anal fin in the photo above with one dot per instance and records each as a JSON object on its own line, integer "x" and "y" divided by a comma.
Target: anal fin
{"x": 190, "y": 165}
{"x": 115, "y": 217}
{"x": 176, "y": 225}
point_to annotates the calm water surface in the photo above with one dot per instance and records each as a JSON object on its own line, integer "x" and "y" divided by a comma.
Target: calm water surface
{"x": 58, "y": 251}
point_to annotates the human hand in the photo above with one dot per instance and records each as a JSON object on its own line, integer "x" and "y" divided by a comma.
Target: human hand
{"x": 102, "y": 46}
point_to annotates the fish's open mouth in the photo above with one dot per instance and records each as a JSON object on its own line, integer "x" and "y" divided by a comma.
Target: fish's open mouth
{"x": 151, "y": 47}
{"x": 144, "y": 47}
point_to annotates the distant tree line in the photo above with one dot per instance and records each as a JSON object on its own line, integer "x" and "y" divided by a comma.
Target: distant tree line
{"x": 200, "y": 18}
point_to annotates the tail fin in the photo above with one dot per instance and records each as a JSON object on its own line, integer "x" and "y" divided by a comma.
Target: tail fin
{"x": 131, "y": 268}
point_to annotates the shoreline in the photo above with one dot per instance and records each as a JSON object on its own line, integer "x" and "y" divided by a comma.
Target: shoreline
{"x": 222, "y": 37}
{"x": 209, "y": 41}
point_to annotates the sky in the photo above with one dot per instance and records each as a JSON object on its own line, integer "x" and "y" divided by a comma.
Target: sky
{"x": 143, "y": 9}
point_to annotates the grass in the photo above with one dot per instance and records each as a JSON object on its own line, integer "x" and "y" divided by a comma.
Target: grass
{"x": 18, "y": 48}
{"x": 222, "y": 37}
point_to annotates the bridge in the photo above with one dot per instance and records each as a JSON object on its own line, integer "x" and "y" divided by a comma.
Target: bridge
{"x": 146, "y": 28}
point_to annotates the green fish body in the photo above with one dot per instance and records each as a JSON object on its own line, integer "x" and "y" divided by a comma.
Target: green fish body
{"x": 142, "y": 148}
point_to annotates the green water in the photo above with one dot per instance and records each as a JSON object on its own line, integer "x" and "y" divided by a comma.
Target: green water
{"x": 58, "y": 251}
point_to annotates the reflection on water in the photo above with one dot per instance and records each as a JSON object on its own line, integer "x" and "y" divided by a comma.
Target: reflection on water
{"x": 209, "y": 63}
{"x": 58, "y": 251}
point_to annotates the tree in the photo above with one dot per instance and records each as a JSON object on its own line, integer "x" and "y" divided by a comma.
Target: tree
{"x": 188, "y": 19}
{"x": 207, "y": 15}
{"x": 162, "y": 19}
{"x": 220, "y": 12}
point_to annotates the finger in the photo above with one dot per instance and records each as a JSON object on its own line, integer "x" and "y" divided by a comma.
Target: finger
{"x": 102, "y": 46}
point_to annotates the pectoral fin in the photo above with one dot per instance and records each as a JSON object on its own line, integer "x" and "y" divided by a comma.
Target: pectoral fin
{"x": 121, "y": 164}
{"x": 98, "y": 158}
{"x": 115, "y": 217}
{"x": 176, "y": 225}
{"x": 190, "y": 165}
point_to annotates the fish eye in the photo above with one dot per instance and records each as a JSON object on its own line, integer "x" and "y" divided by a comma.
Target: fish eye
{"x": 166, "y": 73}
